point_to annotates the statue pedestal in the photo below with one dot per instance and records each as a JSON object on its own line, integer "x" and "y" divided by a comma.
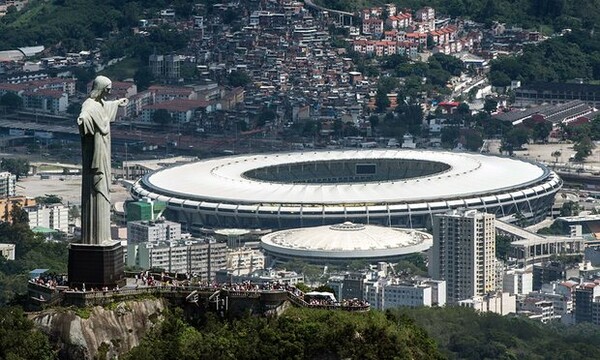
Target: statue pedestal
{"x": 96, "y": 266}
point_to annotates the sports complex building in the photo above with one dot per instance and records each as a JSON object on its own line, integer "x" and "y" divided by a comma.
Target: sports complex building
{"x": 391, "y": 187}
{"x": 342, "y": 243}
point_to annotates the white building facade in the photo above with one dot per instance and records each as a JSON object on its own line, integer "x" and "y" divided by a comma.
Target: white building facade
{"x": 152, "y": 231}
{"x": 501, "y": 303}
{"x": 54, "y": 216}
{"x": 244, "y": 261}
{"x": 518, "y": 281}
{"x": 7, "y": 251}
{"x": 199, "y": 257}
{"x": 391, "y": 293}
{"x": 8, "y": 183}
{"x": 463, "y": 253}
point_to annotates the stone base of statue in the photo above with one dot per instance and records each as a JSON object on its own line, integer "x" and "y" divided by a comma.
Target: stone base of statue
{"x": 96, "y": 266}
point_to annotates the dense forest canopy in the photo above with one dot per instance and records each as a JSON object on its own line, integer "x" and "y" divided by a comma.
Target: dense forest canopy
{"x": 452, "y": 333}
{"x": 572, "y": 56}
{"x": 541, "y": 14}
{"x": 297, "y": 334}
{"x": 75, "y": 25}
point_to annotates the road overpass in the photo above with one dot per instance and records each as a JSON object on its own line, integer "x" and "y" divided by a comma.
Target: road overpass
{"x": 529, "y": 248}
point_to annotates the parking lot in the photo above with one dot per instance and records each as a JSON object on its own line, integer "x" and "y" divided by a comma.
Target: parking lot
{"x": 66, "y": 187}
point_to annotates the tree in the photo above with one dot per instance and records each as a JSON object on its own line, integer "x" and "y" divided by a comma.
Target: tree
{"x": 374, "y": 121}
{"x": 463, "y": 109}
{"x": 490, "y": 105}
{"x": 143, "y": 77}
{"x": 499, "y": 79}
{"x": 11, "y": 100}
{"x": 162, "y": 117}
{"x": 516, "y": 137}
{"x": 556, "y": 155}
{"x": 411, "y": 117}
{"x": 74, "y": 212}
{"x": 74, "y": 108}
{"x": 382, "y": 102}
{"x": 430, "y": 43}
{"x": 583, "y": 148}
{"x": 502, "y": 246}
{"x": 83, "y": 75}
{"x": 541, "y": 130}
{"x": 19, "y": 216}
{"x": 569, "y": 208}
{"x": 450, "y": 136}
{"x": 449, "y": 63}
{"x": 473, "y": 140}
{"x": 238, "y": 78}
{"x": 266, "y": 115}
{"x": 48, "y": 199}
{"x": 19, "y": 339}
{"x": 18, "y": 167}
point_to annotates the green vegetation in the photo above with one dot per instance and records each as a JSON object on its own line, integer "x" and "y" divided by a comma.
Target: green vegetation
{"x": 18, "y": 167}
{"x": 583, "y": 148}
{"x": 125, "y": 69}
{"x": 48, "y": 199}
{"x": 76, "y": 24}
{"x": 561, "y": 59}
{"x": 238, "y": 78}
{"x": 569, "y": 208}
{"x": 18, "y": 338}
{"x": 544, "y": 15}
{"x": 462, "y": 333}
{"x": 32, "y": 252}
{"x": 83, "y": 312}
{"x": 502, "y": 246}
{"x": 555, "y": 229}
{"x": 11, "y": 101}
{"x": 297, "y": 334}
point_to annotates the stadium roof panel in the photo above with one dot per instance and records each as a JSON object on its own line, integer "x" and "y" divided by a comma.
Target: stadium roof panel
{"x": 223, "y": 179}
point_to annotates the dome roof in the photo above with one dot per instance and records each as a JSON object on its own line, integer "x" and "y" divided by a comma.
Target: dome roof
{"x": 347, "y": 240}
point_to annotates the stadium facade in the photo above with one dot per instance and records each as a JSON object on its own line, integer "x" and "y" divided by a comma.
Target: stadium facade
{"x": 390, "y": 187}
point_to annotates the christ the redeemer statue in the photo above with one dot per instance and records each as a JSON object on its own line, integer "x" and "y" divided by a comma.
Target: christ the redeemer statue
{"x": 94, "y": 127}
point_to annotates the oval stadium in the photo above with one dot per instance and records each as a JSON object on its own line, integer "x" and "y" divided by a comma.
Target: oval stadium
{"x": 391, "y": 187}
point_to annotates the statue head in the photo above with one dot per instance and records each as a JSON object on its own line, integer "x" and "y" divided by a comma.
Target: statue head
{"x": 101, "y": 85}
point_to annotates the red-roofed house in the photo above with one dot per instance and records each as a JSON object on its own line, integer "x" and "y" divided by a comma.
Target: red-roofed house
{"x": 373, "y": 26}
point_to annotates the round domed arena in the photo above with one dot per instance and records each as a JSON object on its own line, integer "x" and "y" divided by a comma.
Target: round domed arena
{"x": 342, "y": 243}
{"x": 391, "y": 187}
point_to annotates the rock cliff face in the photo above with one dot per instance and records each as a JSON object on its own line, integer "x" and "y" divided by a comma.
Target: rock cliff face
{"x": 100, "y": 332}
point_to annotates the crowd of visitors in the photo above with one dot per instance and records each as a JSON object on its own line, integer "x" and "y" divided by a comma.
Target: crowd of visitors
{"x": 145, "y": 279}
{"x": 50, "y": 280}
{"x": 354, "y": 303}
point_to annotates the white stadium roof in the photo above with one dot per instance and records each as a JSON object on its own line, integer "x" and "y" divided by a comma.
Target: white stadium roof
{"x": 346, "y": 240}
{"x": 222, "y": 179}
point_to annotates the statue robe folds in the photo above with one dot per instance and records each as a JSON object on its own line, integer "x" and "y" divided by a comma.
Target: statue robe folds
{"x": 94, "y": 128}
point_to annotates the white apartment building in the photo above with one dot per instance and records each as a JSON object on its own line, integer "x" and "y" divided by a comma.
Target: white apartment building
{"x": 244, "y": 261}
{"x": 7, "y": 251}
{"x": 501, "y": 303}
{"x": 200, "y": 257}
{"x": 55, "y": 216}
{"x": 152, "y": 231}
{"x": 387, "y": 293}
{"x": 518, "y": 281}
{"x": 463, "y": 253}
{"x": 8, "y": 183}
